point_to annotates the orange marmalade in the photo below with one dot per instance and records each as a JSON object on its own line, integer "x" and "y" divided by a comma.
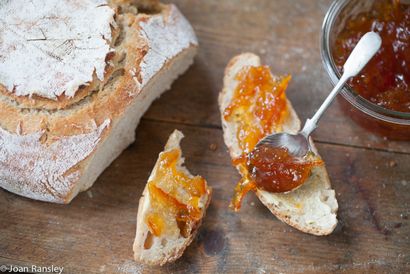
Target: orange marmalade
{"x": 385, "y": 81}
{"x": 177, "y": 199}
{"x": 274, "y": 169}
{"x": 259, "y": 107}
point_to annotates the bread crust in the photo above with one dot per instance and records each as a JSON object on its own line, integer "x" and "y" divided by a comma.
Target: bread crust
{"x": 316, "y": 187}
{"x": 29, "y": 127}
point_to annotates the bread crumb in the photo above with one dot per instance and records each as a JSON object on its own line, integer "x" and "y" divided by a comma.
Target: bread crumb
{"x": 213, "y": 147}
{"x": 130, "y": 267}
{"x": 261, "y": 270}
{"x": 90, "y": 194}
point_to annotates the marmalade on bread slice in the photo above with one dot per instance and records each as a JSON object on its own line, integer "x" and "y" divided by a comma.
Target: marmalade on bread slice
{"x": 259, "y": 107}
{"x": 176, "y": 197}
{"x": 171, "y": 209}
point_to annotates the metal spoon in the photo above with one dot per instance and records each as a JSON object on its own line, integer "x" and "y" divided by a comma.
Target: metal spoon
{"x": 298, "y": 145}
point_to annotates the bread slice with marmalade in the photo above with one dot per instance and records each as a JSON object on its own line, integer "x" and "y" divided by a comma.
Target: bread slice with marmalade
{"x": 171, "y": 208}
{"x": 310, "y": 208}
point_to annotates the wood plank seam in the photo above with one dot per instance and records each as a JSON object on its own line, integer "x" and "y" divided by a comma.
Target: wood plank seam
{"x": 211, "y": 126}
{"x": 361, "y": 147}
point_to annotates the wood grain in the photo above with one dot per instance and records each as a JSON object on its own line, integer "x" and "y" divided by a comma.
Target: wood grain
{"x": 371, "y": 176}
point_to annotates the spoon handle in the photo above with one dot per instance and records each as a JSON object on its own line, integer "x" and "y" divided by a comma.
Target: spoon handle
{"x": 364, "y": 51}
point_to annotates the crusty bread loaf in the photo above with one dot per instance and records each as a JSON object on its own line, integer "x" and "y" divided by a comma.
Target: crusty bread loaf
{"x": 165, "y": 248}
{"x": 74, "y": 85}
{"x": 312, "y": 207}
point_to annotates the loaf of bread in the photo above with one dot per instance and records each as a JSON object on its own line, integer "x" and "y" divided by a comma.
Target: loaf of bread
{"x": 183, "y": 194}
{"x": 310, "y": 208}
{"x": 75, "y": 79}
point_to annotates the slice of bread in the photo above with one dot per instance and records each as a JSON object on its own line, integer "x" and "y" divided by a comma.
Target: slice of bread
{"x": 312, "y": 207}
{"x": 165, "y": 248}
{"x": 69, "y": 107}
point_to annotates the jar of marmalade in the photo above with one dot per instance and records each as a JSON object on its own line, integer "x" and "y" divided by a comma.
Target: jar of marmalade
{"x": 378, "y": 98}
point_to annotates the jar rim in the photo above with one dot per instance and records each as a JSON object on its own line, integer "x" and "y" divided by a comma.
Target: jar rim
{"x": 364, "y": 105}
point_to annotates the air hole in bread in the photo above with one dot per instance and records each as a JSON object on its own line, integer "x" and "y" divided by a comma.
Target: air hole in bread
{"x": 148, "y": 6}
{"x": 149, "y": 10}
{"x": 140, "y": 6}
{"x": 43, "y": 138}
{"x": 149, "y": 241}
{"x": 183, "y": 229}
{"x": 122, "y": 58}
{"x": 114, "y": 75}
{"x": 108, "y": 58}
{"x": 324, "y": 197}
{"x": 120, "y": 37}
{"x": 164, "y": 242}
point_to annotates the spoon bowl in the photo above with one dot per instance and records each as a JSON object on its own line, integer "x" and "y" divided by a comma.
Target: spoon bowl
{"x": 297, "y": 145}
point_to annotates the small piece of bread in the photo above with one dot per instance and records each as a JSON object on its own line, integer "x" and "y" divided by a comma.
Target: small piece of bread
{"x": 153, "y": 250}
{"x": 312, "y": 207}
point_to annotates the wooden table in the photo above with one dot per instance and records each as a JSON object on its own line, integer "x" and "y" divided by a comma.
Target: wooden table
{"x": 371, "y": 175}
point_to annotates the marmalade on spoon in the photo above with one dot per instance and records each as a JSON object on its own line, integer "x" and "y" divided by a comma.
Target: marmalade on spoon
{"x": 259, "y": 107}
{"x": 275, "y": 170}
{"x": 385, "y": 81}
{"x": 177, "y": 199}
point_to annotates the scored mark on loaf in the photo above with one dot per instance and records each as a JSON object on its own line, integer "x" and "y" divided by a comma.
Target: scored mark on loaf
{"x": 53, "y": 50}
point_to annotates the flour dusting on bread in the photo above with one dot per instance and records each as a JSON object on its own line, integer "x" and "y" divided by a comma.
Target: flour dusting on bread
{"x": 46, "y": 166}
{"x": 166, "y": 40}
{"x": 52, "y": 47}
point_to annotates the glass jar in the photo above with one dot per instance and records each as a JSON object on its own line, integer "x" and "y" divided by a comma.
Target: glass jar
{"x": 388, "y": 123}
